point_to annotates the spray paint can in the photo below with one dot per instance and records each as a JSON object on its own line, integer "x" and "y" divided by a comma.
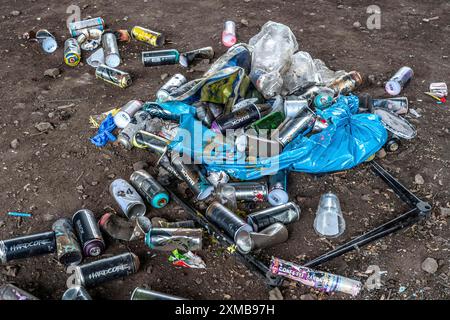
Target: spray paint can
{"x": 153, "y": 38}
{"x": 138, "y": 122}
{"x": 150, "y": 188}
{"x": 128, "y": 199}
{"x": 11, "y": 292}
{"x": 240, "y": 118}
{"x": 270, "y": 236}
{"x": 322, "y": 281}
{"x": 123, "y": 117}
{"x": 159, "y": 222}
{"x": 76, "y": 293}
{"x": 46, "y": 40}
{"x": 110, "y": 49}
{"x": 203, "y": 53}
{"x": 346, "y": 83}
{"x": 68, "y": 250}
{"x": 146, "y": 294}
{"x": 395, "y": 84}
{"x": 229, "y": 34}
{"x": 291, "y": 128}
{"x": 160, "y": 57}
{"x": 100, "y": 271}
{"x": 154, "y": 110}
{"x": 77, "y": 27}
{"x": 285, "y": 214}
{"x": 167, "y": 165}
{"x": 27, "y": 246}
{"x": 113, "y": 76}
{"x": 165, "y": 239}
{"x": 217, "y": 177}
{"x": 278, "y": 188}
{"x": 246, "y": 191}
{"x": 88, "y": 233}
{"x": 233, "y": 225}
{"x": 72, "y": 52}
{"x": 146, "y": 140}
{"x": 192, "y": 175}
{"x": 176, "y": 81}
{"x": 293, "y": 107}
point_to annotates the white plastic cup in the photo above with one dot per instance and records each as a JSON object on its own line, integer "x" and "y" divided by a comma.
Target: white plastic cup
{"x": 329, "y": 221}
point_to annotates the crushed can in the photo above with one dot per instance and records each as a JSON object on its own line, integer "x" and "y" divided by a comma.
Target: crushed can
{"x": 46, "y": 40}
{"x": 269, "y": 237}
{"x": 166, "y": 239}
{"x": 187, "y": 58}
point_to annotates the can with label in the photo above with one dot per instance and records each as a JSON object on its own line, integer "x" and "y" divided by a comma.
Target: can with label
{"x": 138, "y": 122}
{"x": 11, "y": 292}
{"x": 123, "y": 117}
{"x": 110, "y": 49}
{"x": 77, "y": 27}
{"x": 346, "y": 83}
{"x": 128, "y": 199}
{"x": 68, "y": 250}
{"x": 187, "y": 58}
{"x": 151, "y": 37}
{"x": 291, "y": 128}
{"x": 160, "y": 57}
{"x": 285, "y": 214}
{"x": 146, "y": 140}
{"x": 395, "y": 84}
{"x": 88, "y": 233}
{"x": 150, "y": 188}
{"x": 155, "y": 110}
{"x": 27, "y": 246}
{"x": 293, "y": 107}
{"x": 113, "y": 76}
{"x": 76, "y": 293}
{"x": 158, "y": 222}
{"x": 175, "y": 82}
{"x": 100, "y": 271}
{"x": 166, "y": 239}
{"x": 164, "y": 162}
{"x": 272, "y": 235}
{"x": 146, "y": 294}
{"x": 246, "y": 191}
{"x": 278, "y": 188}
{"x": 240, "y": 118}
{"x": 72, "y": 52}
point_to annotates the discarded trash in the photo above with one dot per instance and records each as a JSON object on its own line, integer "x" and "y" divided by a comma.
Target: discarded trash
{"x": 268, "y": 237}
{"x": 77, "y": 27}
{"x": 186, "y": 260}
{"x": 176, "y": 81}
{"x": 76, "y": 293}
{"x": 329, "y": 221}
{"x": 122, "y": 35}
{"x": 438, "y": 97}
{"x": 439, "y": 88}
{"x": 128, "y": 199}
{"x": 278, "y": 188}
{"x": 88, "y": 233}
{"x": 291, "y": 128}
{"x": 166, "y": 239}
{"x": 97, "y": 58}
{"x": 46, "y": 40}
{"x": 20, "y": 214}
{"x": 346, "y": 83}
{"x": 90, "y": 39}
{"x": 150, "y": 188}
{"x": 105, "y": 132}
{"x": 11, "y": 292}
{"x": 285, "y": 214}
{"x": 240, "y": 118}
{"x": 68, "y": 250}
{"x": 110, "y": 49}
{"x": 146, "y": 294}
{"x": 398, "y": 105}
{"x": 189, "y": 57}
{"x": 72, "y": 52}
{"x": 123, "y": 117}
{"x": 27, "y": 246}
{"x": 229, "y": 34}
{"x": 113, "y": 76}
{"x": 160, "y": 57}
{"x": 395, "y": 85}
{"x": 158, "y": 222}
{"x": 395, "y": 124}
{"x": 153, "y": 38}
{"x": 100, "y": 271}
{"x": 323, "y": 281}
{"x": 392, "y": 144}
{"x": 242, "y": 191}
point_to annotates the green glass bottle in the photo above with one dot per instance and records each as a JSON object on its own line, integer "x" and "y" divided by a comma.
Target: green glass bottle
{"x": 269, "y": 122}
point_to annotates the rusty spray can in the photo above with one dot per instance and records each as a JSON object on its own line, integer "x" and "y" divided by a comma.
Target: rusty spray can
{"x": 68, "y": 250}
{"x": 88, "y": 233}
{"x": 150, "y": 188}
{"x": 27, "y": 246}
{"x": 113, "y": 76}
{"x": 128, "y": 199}
{"x": 166, "y": 239}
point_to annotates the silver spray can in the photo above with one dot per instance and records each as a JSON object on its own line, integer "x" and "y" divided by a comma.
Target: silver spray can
{"x": 150, "y": 188}
{"x": 76, "y": 293}
{"x": 11, "y": 292}
{"x": 293, "y": 107}
{"x": 128, "y": 199}
{"x": 110, "y": 49}
{"x": 278, "y": 188}
{"x": 245, "y": 191}
{"x": 169, "y": 239}
{"x": 270, "y": 236}
{"x": 138, "y": 122}
{"x": 285, "y": 214}
{"x": 175, "y": 82}
{"x": 292, "y": 128}
{"x": 123, "y": 117}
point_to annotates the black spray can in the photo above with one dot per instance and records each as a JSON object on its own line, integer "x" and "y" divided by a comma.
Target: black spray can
{"x": 88, "y": 232}
{"x": 164, "y": 162}
{"x": 27, "y": 246}
{"x": 160, "y": 57}
{"x": 146, "y": 294}
{"x": 76, "y": 293}
{"x": 11, "y": 292}
{"x": 240, "y": 118}
{"x": 150, "y": 188}
{"x": 285, "y": 214}
{"x": 68, "y": 250}
{"x": 97, "y": 272}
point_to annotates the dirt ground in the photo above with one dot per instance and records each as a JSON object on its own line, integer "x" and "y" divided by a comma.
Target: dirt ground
{"x": 55, "y": 173}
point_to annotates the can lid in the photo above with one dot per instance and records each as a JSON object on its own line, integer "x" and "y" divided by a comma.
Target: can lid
{"x": 122, "y": 119}
{"x": 49, "y": 45}
{"x": 243, "y": 240}
{"x": 393, "y": 88}
{"x": 160, "y": 200}
{"x": 277, "y": 197}
{"x": 112, "y": 60}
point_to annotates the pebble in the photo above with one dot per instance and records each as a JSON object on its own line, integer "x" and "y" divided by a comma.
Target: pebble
{"x": 140, "y": 165}
{"x": 357, "y": 24}
{"x": 275, "y": 294}
{"x": 341, "y": 6}
{"x": 430, "y": 265}
{"x": 244, "y": 22}
{"x": 418, "y": 179}
{"x": 15, "y": 13}
{"x": 43, "y": 126}
{"x": 149, "y": 269}
{"x": 445, "y": 212}
{"x": 48, "y": 217}
{"x": 2, "y": 223}
{"x": 198, "y": 281}
{"x": 164, "y": 76}
{"x": 14, "y": 144}
{"x": 307, "y": 296}
{"x": 111, "y": 176}
{"x": 381, "y": 153}
{"x": 226, "y": 296}
{"x": 372, "y": 79}
{"x": 53, "y": 72}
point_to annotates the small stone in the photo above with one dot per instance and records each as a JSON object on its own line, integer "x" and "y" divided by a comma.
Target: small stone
{"x": 430, "y": 265}
{"x": 51, "y": 115}
{"x": 307, "y": 296}
{"x": 14, "y": 144}
{"x": 198, "y": 281}
{"x": 111, "y": 176}
{"x": 372, "y": 79}
{"x": 275, "y": 294}
{"x": 322, "y": 26}
{"x": 149, "y": 269}
{"x": 226, "y": 296}
{"x": 418, "y": 179}
{"x": 2, "y": 223}
{"x": 381, "y": 153}
{"x": 53, "y": 72}
{"x": 357, "y": 24}
{"x": 94, "y": 183}
{"x": 19, "y": 105}
{"x": 366, "y": 197}
{"x": 11, "y": 271}
{"x": 341, "y": 6}
{"x": 43, "y": 126}
{"x": 244, "y": 22}
{"x": 140, "y": 165}
{"x": 164, "y": 76}
{"x": 247, "y": 1}
{"x": 15, "y": 13}
{"x": 445, "y": 212}
{"x": 48, "y": 217}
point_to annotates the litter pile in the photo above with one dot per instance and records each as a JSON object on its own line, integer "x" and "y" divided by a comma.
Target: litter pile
{"x": 261, "y": 110}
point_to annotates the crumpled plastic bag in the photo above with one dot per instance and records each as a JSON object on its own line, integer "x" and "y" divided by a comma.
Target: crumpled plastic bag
{"x": 301, "y": 73}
